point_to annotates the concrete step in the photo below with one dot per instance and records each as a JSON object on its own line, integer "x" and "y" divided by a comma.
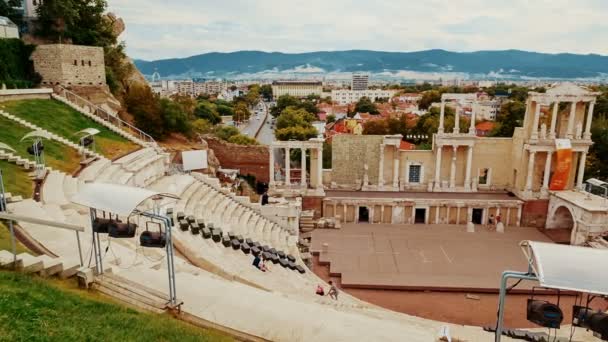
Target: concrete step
{"x": 50, "y": 266}
{"x": 69, "y": 269}
{"x": 27, "y": 263}
{"x": 6, "y": 259}
{"x": 129, "y": 297}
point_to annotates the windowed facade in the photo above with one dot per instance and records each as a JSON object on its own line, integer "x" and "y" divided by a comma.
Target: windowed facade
{"x": 415, "y": 172}
{"x": 484, "y": 176}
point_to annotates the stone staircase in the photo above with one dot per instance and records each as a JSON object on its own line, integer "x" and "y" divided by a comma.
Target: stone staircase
{"x": 92, "y": 111}
{"x": 18, "y": 160}
{"x": 131, "y": 293}
{"x": 53, "y": 136}
{"x": 307, "y": 222}
{"x": 42, "y": 265}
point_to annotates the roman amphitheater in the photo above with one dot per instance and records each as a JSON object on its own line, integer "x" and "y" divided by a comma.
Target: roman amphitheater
{"x": 216, "y": 231}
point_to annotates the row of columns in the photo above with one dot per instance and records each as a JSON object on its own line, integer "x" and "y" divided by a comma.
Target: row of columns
{"x": 467, "y": 180}
{"x": 571, "y": 117}
{"x": 319, "y": 170}
{"x": 549, "y": 156}
{"x": 456, "y": 130}
{"x": 458, "y": 210}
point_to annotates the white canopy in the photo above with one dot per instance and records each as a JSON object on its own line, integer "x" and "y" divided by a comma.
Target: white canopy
{"x": 37, "y": 134}
{"x": 574, "y": 268}
{"x": 87, "y": 132}
{"x": 114, "y": 198}
{"x": 5, "y": 147}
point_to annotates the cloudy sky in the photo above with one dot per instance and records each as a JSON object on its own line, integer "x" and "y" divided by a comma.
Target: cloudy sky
{"x": 178, "y": 28}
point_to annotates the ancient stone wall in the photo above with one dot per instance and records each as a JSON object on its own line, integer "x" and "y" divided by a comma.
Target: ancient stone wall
{"x": 351, "y": 153}
{"x": 534, "y": 213}
{"x": 251, "y": 160}
{"x": 70, "y": 64}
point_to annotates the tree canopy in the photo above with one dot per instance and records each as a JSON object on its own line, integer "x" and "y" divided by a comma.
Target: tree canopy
{"x": 511, "y": 115}
{"x": 365, "y": 105}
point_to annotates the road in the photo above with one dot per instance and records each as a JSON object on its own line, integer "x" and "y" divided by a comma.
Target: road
{"x": 250, "y": 128}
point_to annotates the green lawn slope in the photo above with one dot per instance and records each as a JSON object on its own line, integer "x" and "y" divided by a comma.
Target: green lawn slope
{"x": 32, "y": 309}
{"x": 60, "y": 119}
{"x": 16, "y": 180}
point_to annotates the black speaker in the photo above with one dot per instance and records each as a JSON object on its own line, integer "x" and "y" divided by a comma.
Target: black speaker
{"x": 153, "y": 239}
{"x": 593, "y": 320}
{"x": 87, "y": 141}
{"x": 543, "y": 313}
{"x": 122, "y": 230}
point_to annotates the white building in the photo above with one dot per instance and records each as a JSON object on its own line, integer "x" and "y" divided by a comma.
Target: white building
{"x": 189, "y": 87}
{"x": 8, "y": 29}
{"x": 486, "y": 109}
{"x": 346, "y": 96}
{"x": 296, "y": 88}
{"x": 359, "y": 81}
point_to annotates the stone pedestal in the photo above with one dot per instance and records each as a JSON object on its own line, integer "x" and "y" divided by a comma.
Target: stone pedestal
{"x": 470, "y": 227}
{"x": 500, "y": 227}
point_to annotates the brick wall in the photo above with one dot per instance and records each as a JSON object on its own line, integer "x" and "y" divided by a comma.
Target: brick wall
{"x": 534, "y": 213}
{"x": 313, "y": 203}
{"x": 251, "y": 160}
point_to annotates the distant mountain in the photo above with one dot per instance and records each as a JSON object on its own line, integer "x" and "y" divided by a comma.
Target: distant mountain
{"x": 432, "y": 63}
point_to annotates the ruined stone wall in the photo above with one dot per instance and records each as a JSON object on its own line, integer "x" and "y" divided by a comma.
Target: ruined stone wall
{"x": 349, "y": 155}
{"x": 70, "y": 64}
{"x": 534, "y": 213}
{"x": 251, "y": 160}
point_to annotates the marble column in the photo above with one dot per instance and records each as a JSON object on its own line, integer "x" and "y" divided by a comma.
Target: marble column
{"x": 571, "y": 117}
{"x": 587, "y": 134}
{"x": 344, "y": 213}
{"x": 545, "y": 187}
{"x": 534, "y": 135}
{"x": 453, "y": 168}
{"x": 518, "y": 223}
{"x": 552, "y": 133}
{"x": 467, "y": 176}
{"x": 472, "y": 130}
{"x": 320, "y": 168}
{"x": 335, "y": 214}
{"x": 581, "y": 170}
{"x": 447, "y": 215}
{"x": 438, "y": 169}
{"x": 303, "y": 167}
{"x": 437, "y": 208}
{"x": 381, "y": 214}
{"x": 530, "y": 174}
{"x": 441, "y": 118}
{"x": 508, "y": 219}
{"x": 287, "y": 167}
{"x": 271, "y": 166}
{"x": 396, "y": 169}
{"x": 458, "y": 215}
{"x": 381, "y": 167}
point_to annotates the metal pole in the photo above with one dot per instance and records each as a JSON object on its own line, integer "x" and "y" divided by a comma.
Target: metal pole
{"x": 96, "y": 245}
{"x": 79, "y": 249}
{"x": 503, "y": 293}
{"x": 4, "y": 207}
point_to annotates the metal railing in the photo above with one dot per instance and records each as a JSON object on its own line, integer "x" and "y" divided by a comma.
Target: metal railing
{"x": 105, "y": 115}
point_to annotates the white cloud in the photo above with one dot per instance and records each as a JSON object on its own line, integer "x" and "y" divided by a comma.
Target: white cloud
{"x": 179, "y": 28}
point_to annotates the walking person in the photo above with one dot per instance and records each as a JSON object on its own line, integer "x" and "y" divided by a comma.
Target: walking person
{"x": 333, "y": 291}
{"x": 491, "y": 221}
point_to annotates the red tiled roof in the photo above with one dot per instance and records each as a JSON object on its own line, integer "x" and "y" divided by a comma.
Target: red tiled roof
{"x": 405, "y": 145}
{"x": 485, "y": 126}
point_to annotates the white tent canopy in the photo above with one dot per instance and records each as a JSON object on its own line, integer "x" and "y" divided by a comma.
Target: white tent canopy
{"x": 564, "y": 267}
{"x": 114, "y": 198}
{"x": 87, "y": 132}
{"x": 37, "y": 134}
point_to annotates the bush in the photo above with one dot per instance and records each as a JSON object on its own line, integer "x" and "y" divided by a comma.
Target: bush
{"x": 295, "y": 133}
{"x": 241, "y": 139}
{"x": 16, "y": 68}
{"x": 225, "y": 132}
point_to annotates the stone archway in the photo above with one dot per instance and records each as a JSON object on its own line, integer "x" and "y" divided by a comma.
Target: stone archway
{"x": 561, "y": 224}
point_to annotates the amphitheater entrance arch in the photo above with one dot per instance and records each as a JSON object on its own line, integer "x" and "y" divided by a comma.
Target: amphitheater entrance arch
{"x": 563, "y": 223}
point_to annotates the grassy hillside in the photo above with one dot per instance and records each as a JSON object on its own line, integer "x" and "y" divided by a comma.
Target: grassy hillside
{"x": 60, "y": 119}
{"x": 5, "y": 242}
{"x": 16, "y": 180}
{"x": 57, "y": 155}
{"x": 35, "y": 310}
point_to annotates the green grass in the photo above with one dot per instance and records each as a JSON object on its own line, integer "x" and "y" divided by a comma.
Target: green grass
{"x": 35, "y": 310}
{"x": 5, "y": 240}
{"x": 60, "y": 119}
{"x": 16, "y": 180}
{"x": 57, "y": 155}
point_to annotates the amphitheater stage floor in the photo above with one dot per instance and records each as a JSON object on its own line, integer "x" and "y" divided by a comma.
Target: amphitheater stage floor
{"x": 422, "y": 257}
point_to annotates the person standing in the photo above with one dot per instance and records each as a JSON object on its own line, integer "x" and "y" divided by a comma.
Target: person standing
{"x": 333, "y": 291}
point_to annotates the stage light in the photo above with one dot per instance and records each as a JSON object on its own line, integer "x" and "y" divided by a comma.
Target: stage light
{"x": 543, "y": 313}
{"x": 595, "y": 321}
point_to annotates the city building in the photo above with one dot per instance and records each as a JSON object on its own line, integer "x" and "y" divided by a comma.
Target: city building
{"x": 194, "y": 89}
{"x": 296, "y": 88}
{"x": 61, "y": 64}
{"x": 359, "y": 81}
{"x": 347, "y": 96}
{"x": 8, "y": 29}
{"x": 486, "y": 109}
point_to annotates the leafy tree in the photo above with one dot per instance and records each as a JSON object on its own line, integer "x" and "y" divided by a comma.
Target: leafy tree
{"x": 283, "y": 102}
{"x": 118, "y": 68}
{"x": 206, "y": 110}
{"x": 365, "y": 105}
{"x": 598, "y": 152}
{"x": 241, "y": 112}
{"x": 175, "y": 118}
{"x": 327, "y": 155}
{"x": 292, "y": 117}
{"x": 225, "y": 132}
{"x": 201, "y": 126}
{"x": 511, "y": 115}
{"x": 295, "y": 133}
{"x": 330, "y": 118}
{"x": 375, "y": 127}
{"x": 266, "y": 92}
{"x": 224, "y": 110}
{"x": 428, "y": 98}
{"x": 241, "y": 139}
{"x": 253, "y": 96}
{"x": 16, "y": 68}
{"x": 146, "y": 109}
{"x": 7, "y": 9}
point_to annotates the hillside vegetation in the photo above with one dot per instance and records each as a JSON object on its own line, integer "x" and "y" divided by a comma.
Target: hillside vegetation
{"x": 34, "y": 310}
